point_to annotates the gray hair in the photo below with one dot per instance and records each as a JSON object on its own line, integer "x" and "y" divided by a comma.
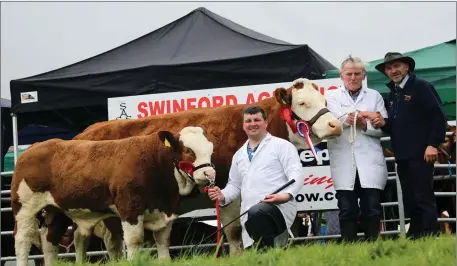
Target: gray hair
{"x": 354, "y": 60}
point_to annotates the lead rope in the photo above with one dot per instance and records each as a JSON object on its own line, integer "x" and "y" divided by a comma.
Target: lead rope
{"x": 218, "y": 219}
{"x": 352, "y": 137}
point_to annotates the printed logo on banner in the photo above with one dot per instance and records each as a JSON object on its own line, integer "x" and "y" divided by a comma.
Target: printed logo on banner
{"x": 318, "y": 192}
{"x": 29, "y": 97}
{"x": 123, "y": 114}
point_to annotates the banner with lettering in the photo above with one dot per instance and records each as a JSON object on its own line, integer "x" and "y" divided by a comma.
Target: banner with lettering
{"x": 317, "y": 193}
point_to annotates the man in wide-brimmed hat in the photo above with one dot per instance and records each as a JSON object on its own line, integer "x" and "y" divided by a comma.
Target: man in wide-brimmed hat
{"x": 417, "y": 125}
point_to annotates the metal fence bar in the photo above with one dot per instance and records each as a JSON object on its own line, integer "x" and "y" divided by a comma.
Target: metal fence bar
{"x": 408, "y": 219}
{"x": 99, "y": 253}
{"x": 445, "y": 194}
{"x": 447, "y": 220}
{"x": 396, "y": 220}
{"x": 444, "y": 165}
{"x": 395, "y": 203}
{"x": 337, "y": 236}
{"x": 443, "y": 177}
{"x": 5, "y": 192}
{"x": 6, "y": 233}
{"x": 401, "y": 210}
{"x": 448, "y": 133}
{"x": 10, "y": 173}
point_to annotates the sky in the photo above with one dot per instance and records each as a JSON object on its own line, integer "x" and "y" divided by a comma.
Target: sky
{"x": 43, "y": 36}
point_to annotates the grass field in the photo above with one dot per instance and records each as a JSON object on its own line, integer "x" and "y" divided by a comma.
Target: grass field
{"x": 432, "y": 251}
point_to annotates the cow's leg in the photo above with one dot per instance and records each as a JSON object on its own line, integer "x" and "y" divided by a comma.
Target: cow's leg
{"x": 233, "y": 231}
{"x": 26, "y": 231}
{"x": 133, "y": 235}
{"x": 162, "y": 238}
{"x": 112, "y": 238}
{"x": 53, "y": 228}
{"x": 82, "y": 241}
{"x": 50, "y": 250}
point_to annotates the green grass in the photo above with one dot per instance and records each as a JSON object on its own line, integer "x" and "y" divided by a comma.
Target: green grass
{"x": 432, "y": 251}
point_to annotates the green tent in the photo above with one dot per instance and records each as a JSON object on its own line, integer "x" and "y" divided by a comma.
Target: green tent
{"x": 8, "y": 162}
{"x": 435, "y": 64}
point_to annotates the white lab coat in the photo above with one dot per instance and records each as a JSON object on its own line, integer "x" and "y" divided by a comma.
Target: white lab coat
{"x": 369, "y": 156}
{"x": 275, "y": 162}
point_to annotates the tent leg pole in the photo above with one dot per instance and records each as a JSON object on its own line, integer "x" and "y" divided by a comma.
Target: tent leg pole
{"x": 15, "y": 137}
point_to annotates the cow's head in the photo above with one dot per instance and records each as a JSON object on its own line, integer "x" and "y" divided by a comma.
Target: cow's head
{"x": 447, "y": 149}
{"x": 192, "y": 156}
{"x": 306, "y": 103}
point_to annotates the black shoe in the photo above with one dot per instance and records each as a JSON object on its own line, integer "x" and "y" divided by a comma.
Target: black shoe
{"x": 371, "y": 228}
{"x": 348, "y": 231}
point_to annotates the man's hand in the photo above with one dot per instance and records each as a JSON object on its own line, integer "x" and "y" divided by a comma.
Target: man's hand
{"x": 431, "y": 154}
{"x": 215, "y": 193}
{"x": 277, "y": 198}
{"x": 350, "y": 119}
{"x": 360, "y": 121}
{"x": 376, "y": 119}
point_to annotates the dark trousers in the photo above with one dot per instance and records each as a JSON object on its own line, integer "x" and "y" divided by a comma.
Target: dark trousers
{"x": 416, "y": 179}
{"x": 369, "y": 211}
{"x": 265, "y": 222}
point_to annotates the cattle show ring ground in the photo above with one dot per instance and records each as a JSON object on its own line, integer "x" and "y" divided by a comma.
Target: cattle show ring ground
{"x": 431, "y": 252}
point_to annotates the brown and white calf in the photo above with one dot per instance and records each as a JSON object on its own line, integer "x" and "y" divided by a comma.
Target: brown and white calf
{"x": 134, "y": 178}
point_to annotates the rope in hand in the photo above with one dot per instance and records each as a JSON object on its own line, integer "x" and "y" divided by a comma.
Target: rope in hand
{"x": 352, "y": 137}
{"x": 218, "y": 217}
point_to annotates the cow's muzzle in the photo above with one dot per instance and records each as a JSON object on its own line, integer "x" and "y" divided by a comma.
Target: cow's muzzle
{"x": 189, "y": 168}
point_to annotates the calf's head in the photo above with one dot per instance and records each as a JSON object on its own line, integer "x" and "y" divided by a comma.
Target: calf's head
{"x": 308, "y": 104}
{"x": 192, "y": 154}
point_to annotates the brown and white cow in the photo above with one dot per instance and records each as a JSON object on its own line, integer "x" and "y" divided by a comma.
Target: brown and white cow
{"x": 224, "y": 128}
{"x": 134, "y": 178}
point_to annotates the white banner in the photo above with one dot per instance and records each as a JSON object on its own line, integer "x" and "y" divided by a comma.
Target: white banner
{"x": 317, "y": 193}
{"x": 139, "y": 106}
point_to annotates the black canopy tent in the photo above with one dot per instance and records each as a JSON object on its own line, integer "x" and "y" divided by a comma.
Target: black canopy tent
{"x": 198, "y": 51}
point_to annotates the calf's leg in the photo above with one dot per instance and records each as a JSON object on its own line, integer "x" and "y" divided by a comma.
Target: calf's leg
{"x": 50, "y": 250}
{"x": 111, "y": 232}
{"x": 233, "y": 231}
{"x": 162, "y": 238}
{"x": 133, "y": 235}
{"x": 82, "y": 242}
{"x": 26, "y": 231}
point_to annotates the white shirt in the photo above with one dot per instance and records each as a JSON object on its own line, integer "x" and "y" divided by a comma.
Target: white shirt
{"x": 275, "y": 162}
{"x": 403, "y": 82}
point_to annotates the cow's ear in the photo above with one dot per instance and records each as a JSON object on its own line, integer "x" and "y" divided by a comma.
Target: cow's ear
{"x": 168, "y": 139}
{"x": 315, "y": 86}
{"x": 282, "y": 96}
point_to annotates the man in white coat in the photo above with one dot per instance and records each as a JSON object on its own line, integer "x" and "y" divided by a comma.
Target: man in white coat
{"x": 357, "y": 161}
{"x": 263, "y": 164}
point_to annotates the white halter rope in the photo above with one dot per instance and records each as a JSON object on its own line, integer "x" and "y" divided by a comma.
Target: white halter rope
{"x": 352, "y": 136}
